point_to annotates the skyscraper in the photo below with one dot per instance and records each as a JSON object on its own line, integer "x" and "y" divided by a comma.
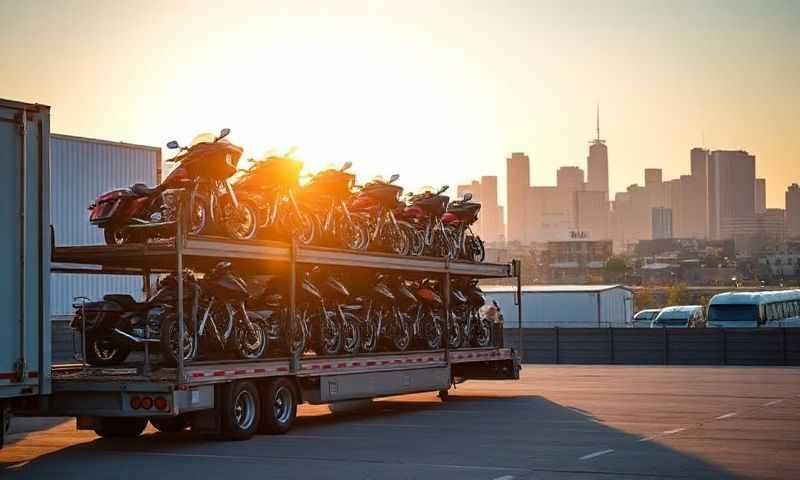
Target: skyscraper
{"x": 761, "y": 195}
{"x": 697, "y": 221}
{"x": 793, "y": 211}
{"x": 518, "y": 183}
{"x": 731, "y": 190}
{"x": 597, "y": 163}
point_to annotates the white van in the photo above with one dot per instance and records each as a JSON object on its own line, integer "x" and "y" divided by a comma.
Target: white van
{"x": 680, "y": 316}
{"x": 755, "y": 309}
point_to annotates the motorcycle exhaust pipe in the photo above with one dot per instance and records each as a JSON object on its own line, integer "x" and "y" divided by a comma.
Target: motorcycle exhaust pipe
{"x": 136, "y": 339}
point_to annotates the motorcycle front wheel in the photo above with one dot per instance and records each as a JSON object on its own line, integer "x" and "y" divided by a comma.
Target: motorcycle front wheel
{"x": 369, "y": 335}
{"x": 395, "y": 240}
{"x": 115, "y": 235}
{"x": 352, "y": 236}
{"x": 351, "y": 334}
{"x": 416, "y": 239}
{"x": 455, "y": 332}
{"x": 400, "y": 332}
{"x": 243, "y": 222}
{"x": 328, "y": 339}
{"x": 475, "y": 249}
{"x": 251, "y": 343}
{"x": 431, "y": 330}
{"x": 483, "y": 333}
{"x": 169, "y": 342}
{"x": 302, "y": 226}
{"x": 199, "y": 216}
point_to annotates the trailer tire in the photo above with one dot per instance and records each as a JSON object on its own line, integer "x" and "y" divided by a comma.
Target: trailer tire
{"x": 240, "y": 410}
{"x": 120, "y": 427}
{"x": 170, "y": 424}
{"x": 444, "y": 395}
{"x": 279, "y": 406}
{"x": 5, "y": 421}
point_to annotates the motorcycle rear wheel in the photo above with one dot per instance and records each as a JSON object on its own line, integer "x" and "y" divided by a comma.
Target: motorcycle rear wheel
{"x": 483, "y": 333}
{"x": 103, "y": 351}
{"x": 115, "y": 235}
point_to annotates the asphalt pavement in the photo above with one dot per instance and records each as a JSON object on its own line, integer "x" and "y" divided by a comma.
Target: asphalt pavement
{"x": 557, "y": 422}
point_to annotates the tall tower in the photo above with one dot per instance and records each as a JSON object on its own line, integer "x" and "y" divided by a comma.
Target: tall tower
{"x": 518, "y": 178}
{"x": 597, "y": 163}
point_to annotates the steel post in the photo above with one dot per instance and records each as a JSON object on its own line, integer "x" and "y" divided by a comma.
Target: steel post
{"x": 293, "y": 324}
{"x": 179, "y": 267}
{"x": 518, "y": 302}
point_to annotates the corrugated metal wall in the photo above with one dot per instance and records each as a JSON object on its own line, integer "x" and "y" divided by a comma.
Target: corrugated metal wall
{"x": 80, "y": 170}
{"x": 566, "y": 309}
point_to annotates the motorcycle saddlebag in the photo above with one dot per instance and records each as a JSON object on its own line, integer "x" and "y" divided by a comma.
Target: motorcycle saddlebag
{"x": 102, "y": 211}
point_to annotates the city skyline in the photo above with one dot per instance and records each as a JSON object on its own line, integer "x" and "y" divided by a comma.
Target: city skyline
{"x": 440, "y": 93}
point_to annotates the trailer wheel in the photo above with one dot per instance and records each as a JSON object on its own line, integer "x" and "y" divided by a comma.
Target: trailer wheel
{"x": 444, "y": 395}
{"x": 121, "y": 427}
{"x": 170, "y": 424}
{"x": 279, "y": 404}
{"x": 240, "y": 410}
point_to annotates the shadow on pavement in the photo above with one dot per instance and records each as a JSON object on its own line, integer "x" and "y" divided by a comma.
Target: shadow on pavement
{"x": 419, "y": 436}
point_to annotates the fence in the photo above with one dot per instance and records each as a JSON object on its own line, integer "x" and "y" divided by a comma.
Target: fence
{"x": 662, "y": 346}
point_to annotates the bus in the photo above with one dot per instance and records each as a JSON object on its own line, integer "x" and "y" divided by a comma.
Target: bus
{"x": 755, "y": 309}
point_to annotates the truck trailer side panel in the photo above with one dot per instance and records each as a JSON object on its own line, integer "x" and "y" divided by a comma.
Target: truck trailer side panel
{"x": 25, "y": 243}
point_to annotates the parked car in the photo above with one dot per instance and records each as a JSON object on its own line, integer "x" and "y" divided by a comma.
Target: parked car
{"x": 644, "y": 318}
{"x": 680, "y": 316}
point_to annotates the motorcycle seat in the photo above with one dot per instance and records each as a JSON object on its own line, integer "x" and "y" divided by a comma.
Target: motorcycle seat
{"x": 143, "y": 190}
{"x": 126, "y": 301}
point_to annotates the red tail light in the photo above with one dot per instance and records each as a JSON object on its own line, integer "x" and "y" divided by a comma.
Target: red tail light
{"x": 136, "y": 402}
{"x": 161, "y": 403}
{"x": 147, "y": 403}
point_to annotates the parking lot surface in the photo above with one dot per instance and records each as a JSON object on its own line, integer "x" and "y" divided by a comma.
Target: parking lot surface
{"x": 557, "y": 422}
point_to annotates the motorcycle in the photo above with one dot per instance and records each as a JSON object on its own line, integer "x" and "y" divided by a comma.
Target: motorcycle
{"x": 477, "y": 328}
{"x": 272, "y": 306}
{"x": 377, "y": 202}
{"x": 424, "y": 307}
{"x": 269, "y": 187}
{"x": 335, "y": 305}
{"x": 426, "y": 210}
{"x": 327, "y": 194}
{"x": 217, "y": 306}
{"x": 117, "y": 325}
{"x": 458, "y": 219}
{"x": 382, "y": 316}
{"x": 139, "y": 212}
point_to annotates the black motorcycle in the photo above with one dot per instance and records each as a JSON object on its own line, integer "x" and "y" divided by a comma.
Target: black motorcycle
{"x": 221, "y": 322}
{"x": 381, "y": 315}
{"x": 425, "y": 312}
{"x": 271, "y": 303}
{"x": 477, "y": 328}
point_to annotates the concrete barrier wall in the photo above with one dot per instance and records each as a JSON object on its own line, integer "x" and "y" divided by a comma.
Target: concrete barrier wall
{"x": 644, "y": 346}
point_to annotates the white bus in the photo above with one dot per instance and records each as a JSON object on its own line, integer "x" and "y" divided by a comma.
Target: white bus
{"x": 755, "y": 309}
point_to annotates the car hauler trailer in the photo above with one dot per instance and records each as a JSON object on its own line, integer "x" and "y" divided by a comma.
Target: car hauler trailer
{"x": 229, "y": 398}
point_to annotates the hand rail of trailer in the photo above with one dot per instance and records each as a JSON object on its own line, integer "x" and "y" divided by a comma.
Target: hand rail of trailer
{"x": 200, "y": 253}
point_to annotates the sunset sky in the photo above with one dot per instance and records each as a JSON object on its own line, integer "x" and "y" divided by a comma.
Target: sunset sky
{"x": 439, "y": 92}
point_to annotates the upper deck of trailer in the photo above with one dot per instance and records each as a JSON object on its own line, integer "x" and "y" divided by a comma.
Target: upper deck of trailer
{"x": 200, "y": 253}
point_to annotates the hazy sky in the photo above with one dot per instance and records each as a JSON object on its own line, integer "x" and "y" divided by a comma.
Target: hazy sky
{"x": 439, "y": 92}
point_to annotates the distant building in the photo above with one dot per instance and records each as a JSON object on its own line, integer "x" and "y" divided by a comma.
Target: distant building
{"x": 697, "y": 216}
{"x": 756, "y": 233}
{"x": 518, "y": 184}
{"x": 793, "y": 211}
{"x": 577, "y": 260}
{"x": 731, "y": 191}
{"x": 761, "y": 196}
{"x": 662, "y": 222}
{"x": 597, "y": 164}
{"x": 591, "y": 214}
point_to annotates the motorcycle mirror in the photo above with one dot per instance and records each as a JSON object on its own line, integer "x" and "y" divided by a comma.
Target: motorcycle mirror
{"x": 224, "y": 133}
{"x": 346, "y": 166}
{"x": 394, "y": 178}
{"x": 443, "y": 189}
{"x": 467, "y": 197}
{"x": 223, "y": 265}
{"x": 173, "y": 144}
